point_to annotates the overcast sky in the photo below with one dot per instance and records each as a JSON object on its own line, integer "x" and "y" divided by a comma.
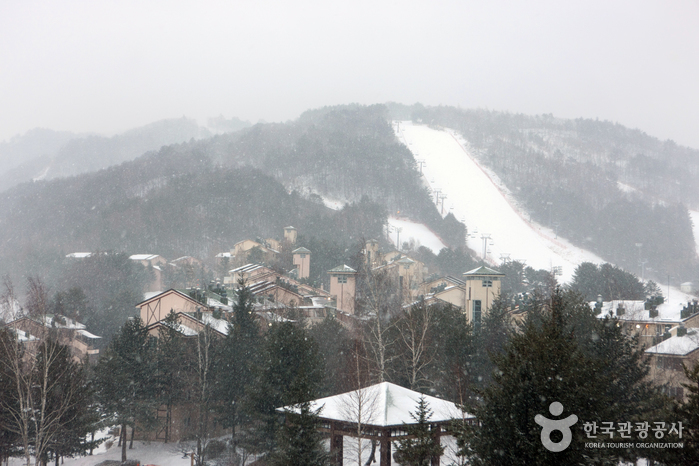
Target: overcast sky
{"x": 107, "y": 66}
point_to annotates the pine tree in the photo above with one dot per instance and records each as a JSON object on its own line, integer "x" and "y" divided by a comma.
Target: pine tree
{"x": 124, "y": 378}
{"x": 290, "y": 373}
{"x": 238, "y": 360}
{"x": 688, "y": 412}
{"x": 562, "y": 354}
{"x": 299, "y": 441}
{"x": 170, "y": 373}
{"x": 421, "y": 445}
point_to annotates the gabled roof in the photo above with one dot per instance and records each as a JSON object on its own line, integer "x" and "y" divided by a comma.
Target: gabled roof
{"x": 384, "y": 404}
{"x": 676, "y": 346}
{"x": 247, "y": 268}
{"x": 342, "y": 269}
{"x": 483, "y": 270}
{"x": 405, "y": 261}
{"x": 170, "y": 291}
{"x": 187, "y": 324}
{"x": 301, "y": 250}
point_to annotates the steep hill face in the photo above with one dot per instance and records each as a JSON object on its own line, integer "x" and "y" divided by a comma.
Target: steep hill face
{"x": 615, "y": 191}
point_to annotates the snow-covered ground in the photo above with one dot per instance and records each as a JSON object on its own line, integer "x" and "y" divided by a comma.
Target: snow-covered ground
{"x": 156, "y": 453}
{"x": 478, "y": 197}
{"x": 418, "y": 232}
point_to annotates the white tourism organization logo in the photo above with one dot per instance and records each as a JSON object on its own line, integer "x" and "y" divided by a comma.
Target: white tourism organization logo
{"x": 551, "y": 425}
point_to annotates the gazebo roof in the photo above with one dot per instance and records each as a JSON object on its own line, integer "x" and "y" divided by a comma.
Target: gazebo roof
{"x": 384, "y": 404}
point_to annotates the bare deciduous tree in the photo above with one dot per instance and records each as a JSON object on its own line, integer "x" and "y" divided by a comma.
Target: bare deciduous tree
{"x": 415, "y": 327}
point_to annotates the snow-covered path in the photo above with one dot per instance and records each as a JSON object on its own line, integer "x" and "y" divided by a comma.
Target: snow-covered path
{"x": 479, "y": 198}
{"x": 415, "y": 231}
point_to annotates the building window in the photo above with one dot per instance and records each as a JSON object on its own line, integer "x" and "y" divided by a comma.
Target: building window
{"x": 341, "y": 279}
{"x": 303, "y": 256}
{"x": 487, "y": 283}
{"x": 477, "y": 314}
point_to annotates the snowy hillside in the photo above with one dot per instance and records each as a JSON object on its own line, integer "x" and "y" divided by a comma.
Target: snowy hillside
{"x": 478, "y": 198}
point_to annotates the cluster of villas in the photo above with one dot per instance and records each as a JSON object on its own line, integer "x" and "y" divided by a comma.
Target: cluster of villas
{"x": 670, "y": 335}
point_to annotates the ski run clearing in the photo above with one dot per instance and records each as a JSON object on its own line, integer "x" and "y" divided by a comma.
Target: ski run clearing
{"x": 497, "y": 225}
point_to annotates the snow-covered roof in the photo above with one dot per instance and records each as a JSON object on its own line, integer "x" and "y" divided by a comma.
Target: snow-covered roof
{"x": 87, "y": 334}
{"x": 223, "y": 254}
{"x": 143, "y": 257}
{"x": 220, "y": 325}
{"x": 342, "y": 269}
{"x": 79, "y": 255}
{"x": 211, "y": 302}
{"x": 301, "y": 250}
{"x": 247, "y": 268}
{"x": 676, "y": 346}
{"x": 383, "y": 404}
{"x": 23, "y": 336}
{"x": 635, "y": 311}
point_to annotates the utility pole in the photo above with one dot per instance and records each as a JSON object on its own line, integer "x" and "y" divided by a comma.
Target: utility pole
{"x": 485, "y": 239}
{"x": 398, "y": 230}
{"x": 442, "y": 197}
{"x": 549, "y": 203}
{"x": 421, "y": 162}
{"x": 643, "y": 270}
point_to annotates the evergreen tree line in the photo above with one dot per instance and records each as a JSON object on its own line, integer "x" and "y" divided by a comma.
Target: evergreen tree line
{"x": 504, "y": 373}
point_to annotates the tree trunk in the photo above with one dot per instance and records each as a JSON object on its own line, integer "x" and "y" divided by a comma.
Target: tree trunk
{"x": 133, "y": 431}
{"x": 122, "y": 437}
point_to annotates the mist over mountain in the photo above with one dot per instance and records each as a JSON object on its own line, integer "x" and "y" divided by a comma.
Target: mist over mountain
{"x": 46, "y": 154}
{"x": 593, "y": 179}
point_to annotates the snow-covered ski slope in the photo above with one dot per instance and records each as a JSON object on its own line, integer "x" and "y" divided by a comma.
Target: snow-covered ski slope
{"x": 478, "y": 198}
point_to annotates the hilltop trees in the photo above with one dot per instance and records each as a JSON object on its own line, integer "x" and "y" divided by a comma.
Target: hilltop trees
{"x": 608, "y": 280}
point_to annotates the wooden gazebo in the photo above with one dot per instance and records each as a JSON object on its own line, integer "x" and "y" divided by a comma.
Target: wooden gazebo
{"x": 379, "y": 413}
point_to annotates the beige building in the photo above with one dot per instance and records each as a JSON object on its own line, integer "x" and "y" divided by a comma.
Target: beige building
{"x": 482, "y": 287}
{"x": 290, "y": 234}
{"x": 343, "y": 287}
{"x": 156, "y": 308}
{"x": 474, "y": 294}
{"x": 302, "y": 261}
{"x": 66, "y": 331}
{"x": 667, "y": 357}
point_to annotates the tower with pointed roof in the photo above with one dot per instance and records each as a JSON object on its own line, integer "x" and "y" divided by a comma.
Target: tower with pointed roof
{"x": 343, "y": 287}
{"x": 482, "y": 287}
{"x": 302, "y": 260}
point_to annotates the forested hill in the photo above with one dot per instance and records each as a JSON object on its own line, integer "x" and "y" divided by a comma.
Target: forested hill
{"x": 173, "y": 202}
{"x": 343, "y": 152}
{"x": 613, "y": 190}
